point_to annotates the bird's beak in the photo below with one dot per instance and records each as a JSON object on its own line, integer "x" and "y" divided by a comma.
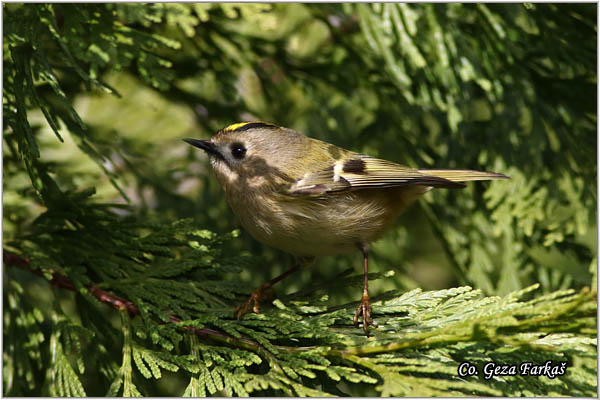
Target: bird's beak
{"x": 205, "y": 145}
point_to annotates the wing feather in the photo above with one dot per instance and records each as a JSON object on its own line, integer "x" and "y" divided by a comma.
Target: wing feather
{"x": 364, "y": 172}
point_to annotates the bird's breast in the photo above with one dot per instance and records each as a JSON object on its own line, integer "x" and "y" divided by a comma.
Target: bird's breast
{"x": 333, "y": 224}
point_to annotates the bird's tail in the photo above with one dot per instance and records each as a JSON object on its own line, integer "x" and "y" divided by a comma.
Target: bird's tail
{"x": 463, "y": 175}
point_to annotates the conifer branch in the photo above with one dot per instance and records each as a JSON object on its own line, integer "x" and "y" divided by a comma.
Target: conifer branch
{"x": 417, "y": 84}
{"x": 119, "y": 303}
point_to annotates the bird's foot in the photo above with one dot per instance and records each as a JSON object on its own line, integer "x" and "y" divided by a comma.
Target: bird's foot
{"x": 262, "y": 293}
{"x": 364, "y": 308}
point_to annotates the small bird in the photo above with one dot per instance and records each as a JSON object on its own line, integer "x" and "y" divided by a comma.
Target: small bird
{"x": 310, "y": 198}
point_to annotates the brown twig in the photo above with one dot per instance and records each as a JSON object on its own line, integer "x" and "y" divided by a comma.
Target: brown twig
{"x": 118, "y": 303}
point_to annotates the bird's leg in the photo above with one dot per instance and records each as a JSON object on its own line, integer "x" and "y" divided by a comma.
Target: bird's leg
{"x": 259, "y": 294}
{"x": 364, "y": 307}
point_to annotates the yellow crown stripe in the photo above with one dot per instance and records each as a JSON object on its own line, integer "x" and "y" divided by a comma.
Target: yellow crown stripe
{"x": 239, "y": 125}
{"x": 243, "y": 126}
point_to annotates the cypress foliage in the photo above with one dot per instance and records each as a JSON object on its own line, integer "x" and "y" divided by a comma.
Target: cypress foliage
{"x": 122, "y": 264}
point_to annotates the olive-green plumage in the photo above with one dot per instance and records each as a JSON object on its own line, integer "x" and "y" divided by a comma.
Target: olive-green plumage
{"x": 308, "y": 197}
{"x": 311, "y": 198}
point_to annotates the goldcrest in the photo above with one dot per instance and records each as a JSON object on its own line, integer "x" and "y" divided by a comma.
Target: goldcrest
{"x": 311, "y": 198}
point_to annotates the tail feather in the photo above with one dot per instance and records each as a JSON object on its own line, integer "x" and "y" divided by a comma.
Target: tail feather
{"x": 463, "y": 175}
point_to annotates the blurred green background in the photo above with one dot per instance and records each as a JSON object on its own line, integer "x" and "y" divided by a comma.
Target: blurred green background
{"x": 498, "y": 87}
{"x": 509, "y": 88}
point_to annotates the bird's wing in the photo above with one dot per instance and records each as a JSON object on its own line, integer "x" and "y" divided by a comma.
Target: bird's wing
{"x": 363, "y": 172}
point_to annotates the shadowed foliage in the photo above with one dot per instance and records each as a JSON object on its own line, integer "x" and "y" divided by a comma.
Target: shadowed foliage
{"x": 123, "y": 264}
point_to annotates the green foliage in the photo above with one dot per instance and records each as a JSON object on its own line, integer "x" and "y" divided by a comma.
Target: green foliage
{"x": 503, "y": 74}
{"x": 62, "y": 379}
{"x": 102, "y": 198}
{"x": 421, "y": 339}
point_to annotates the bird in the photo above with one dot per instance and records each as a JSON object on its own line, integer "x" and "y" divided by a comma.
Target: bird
{"x": 310, "y": 198}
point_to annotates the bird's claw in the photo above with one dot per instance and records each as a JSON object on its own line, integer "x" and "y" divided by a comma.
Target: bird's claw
{"x": 250, "y": 304}
{"x": 262, "y": 293}
{"x": 364, "y": 308}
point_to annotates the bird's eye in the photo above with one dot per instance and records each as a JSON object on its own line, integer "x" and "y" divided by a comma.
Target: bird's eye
{"x": 238, "y": 151}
